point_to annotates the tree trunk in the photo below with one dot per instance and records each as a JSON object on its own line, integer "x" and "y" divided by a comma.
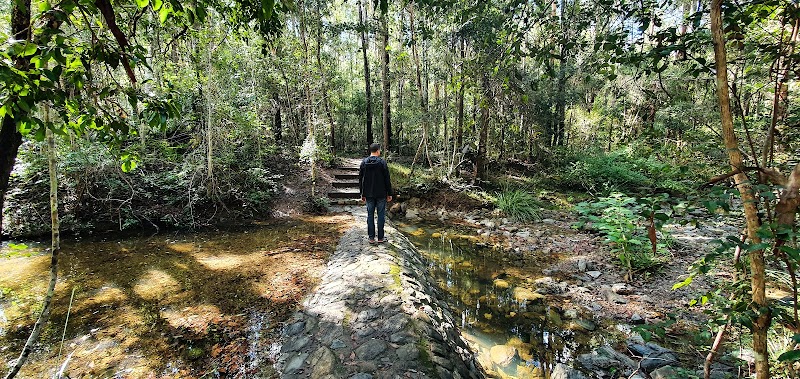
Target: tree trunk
{"x": 460, "y": 101}
{"x": 423, "y": 92}
{"x": 308, "y": 106}
{"x": 10, "y": 138}
{"x": 386, "y": 88}
{"x": 757, "y": 266}
{"x": 367, "y": 84}
{"x": 277, "y": 125}
{"x": 326, "y": 100}
{"x": 210, "y": 186}
{"x": 480, "y": 159}
{"x": 55, "y": 247}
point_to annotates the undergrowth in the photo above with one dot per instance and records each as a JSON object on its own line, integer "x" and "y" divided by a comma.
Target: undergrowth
{"x": 519, "y": 205}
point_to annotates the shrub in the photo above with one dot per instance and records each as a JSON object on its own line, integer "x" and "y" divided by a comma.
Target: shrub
{"x": 628, "y": 223}
{"x": 316, "y": 205}
{"x": 519, "y": 205}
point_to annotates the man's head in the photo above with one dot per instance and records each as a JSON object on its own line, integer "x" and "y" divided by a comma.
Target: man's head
{"x": 375, "y": 149}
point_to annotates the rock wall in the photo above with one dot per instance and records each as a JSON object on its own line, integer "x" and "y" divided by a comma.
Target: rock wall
{"x": 376, "y": 314}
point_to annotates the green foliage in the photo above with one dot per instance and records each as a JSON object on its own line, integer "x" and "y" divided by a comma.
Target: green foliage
{"x": 626, "y": 223}
{"x": 604, "y": 173}
{"x": 316, "y": 205}
{"x": 519, "y": 205}
{"x": 97, "y": 194}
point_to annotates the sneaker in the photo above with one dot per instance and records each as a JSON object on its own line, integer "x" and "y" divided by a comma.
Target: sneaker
{"x": 371, "y": 241}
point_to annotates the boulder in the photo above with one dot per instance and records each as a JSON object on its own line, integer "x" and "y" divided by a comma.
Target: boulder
{"x": 654, "y": 356}
{"x": 666, "y": 372}
{"x": 503, "y": 355}
{"x": 562, "y": 371}
{"x": 604, "y": 360}
{"x": 611, "y": 296}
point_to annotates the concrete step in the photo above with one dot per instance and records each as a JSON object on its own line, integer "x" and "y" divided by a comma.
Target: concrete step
{"x": 344, "y": 194}
{"x": 346, "y": 176}
{"x": 348, "y": 184}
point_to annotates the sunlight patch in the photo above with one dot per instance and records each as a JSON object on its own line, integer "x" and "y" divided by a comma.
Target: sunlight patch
{"x": 195, "y": 319}
{"x": 227, "y": 261}
{"x": 182, "y": 247}
{"x": 156, "y": 285}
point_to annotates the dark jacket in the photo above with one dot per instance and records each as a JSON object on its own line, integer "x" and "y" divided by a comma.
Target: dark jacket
{"x": 373, "y": 177}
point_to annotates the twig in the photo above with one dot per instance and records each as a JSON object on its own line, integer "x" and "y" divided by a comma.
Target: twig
{"x": 64, "y": 333}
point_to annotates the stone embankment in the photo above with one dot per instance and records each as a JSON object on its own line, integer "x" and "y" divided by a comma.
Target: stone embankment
{"x": 376, "y": 314}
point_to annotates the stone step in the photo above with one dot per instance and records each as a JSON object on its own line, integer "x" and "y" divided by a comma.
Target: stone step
{"x": 348, "y": 184}
{"x": 348, "y": 168}
{"x": 346, "y": 176}
{"x": 344, "y": 194}
{"x": 343, "y": 202}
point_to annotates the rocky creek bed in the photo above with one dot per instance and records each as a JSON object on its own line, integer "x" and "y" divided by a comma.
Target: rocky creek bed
{"x": 566, "y": 282}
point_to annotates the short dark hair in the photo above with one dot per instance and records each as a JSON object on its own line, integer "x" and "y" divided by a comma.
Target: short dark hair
{"x": 374, "y": 147}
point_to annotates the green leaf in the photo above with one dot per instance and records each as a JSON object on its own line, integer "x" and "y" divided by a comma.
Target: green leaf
{"x": 684, "y": 283}
{"x": 163, "y": 13}
{"x": 17, "y": 246}
{"x": 30, "y": 49}
{"x": 267, "y": 6}
{"x": 44, "y": 6}
{"x": 129, "y": 162}
{"x": 142, "y": 3}
{"x": 661, "y": 216}
{"x": 792, "y": 355}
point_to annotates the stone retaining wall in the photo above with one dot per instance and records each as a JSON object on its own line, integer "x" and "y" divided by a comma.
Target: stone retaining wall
{"x": 376, "y": 314}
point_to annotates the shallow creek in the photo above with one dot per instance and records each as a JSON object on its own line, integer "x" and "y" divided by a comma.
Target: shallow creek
{"x": 517, "y": 331}
{"x": 167, "y": 305}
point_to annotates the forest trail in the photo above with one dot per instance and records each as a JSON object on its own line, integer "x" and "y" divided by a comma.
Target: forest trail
{"x": 374, "y": 314}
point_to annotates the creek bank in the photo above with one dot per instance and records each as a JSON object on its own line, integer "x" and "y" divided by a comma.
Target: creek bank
{"x": 376, "y": 314}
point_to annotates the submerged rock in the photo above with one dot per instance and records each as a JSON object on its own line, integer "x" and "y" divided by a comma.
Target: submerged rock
{"x": 503, "y": 355}
{"x": 523, "y": 294}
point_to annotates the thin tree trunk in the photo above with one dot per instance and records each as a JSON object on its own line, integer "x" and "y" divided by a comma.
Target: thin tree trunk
{"x": 55, "y": 247}
{"x": 781, "y": 91}
{"x": 460, "y": 101}
{"x": 757, "y": 266}
{"x": 423, "y": 93}
{"x": 308, "y": 106}
{"x": 277, "y": 125}
{"x": 326, "y": 100}
{"x": 209, "y": 130}
{"x": 386, "y": 87}
{"x": 480, "y": 159}
{"x": 10, "y": 138}
{"x": 367, "y": 84}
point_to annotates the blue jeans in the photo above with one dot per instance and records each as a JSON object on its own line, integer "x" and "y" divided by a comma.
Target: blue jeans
{"x": 372, "y": 204}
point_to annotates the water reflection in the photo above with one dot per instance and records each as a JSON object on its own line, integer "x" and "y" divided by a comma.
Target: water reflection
{"x": 517, "y": 331}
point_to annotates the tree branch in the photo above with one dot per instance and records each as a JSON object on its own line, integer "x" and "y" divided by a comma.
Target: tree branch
{"x": 108, "y": 14}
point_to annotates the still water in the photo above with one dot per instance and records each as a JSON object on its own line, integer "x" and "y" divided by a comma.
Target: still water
{"x": 506, "y": 313}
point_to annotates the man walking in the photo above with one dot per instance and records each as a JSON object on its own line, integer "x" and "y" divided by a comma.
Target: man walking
{"x": 376, "y": 190}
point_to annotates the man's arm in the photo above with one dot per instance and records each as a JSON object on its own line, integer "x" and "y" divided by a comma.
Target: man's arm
{"x": 361, "y": 179}
{"x": 387, "y": 179}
